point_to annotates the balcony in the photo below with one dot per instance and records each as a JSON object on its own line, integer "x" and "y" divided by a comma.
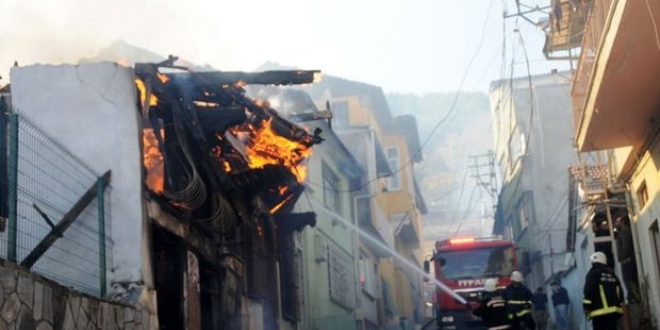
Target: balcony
{"x": 409, "y": 228}
{"x": 614, "y": 92}
{"x": 564, "y": 31}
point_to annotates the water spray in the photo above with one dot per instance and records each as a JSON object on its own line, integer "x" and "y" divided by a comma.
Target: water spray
{"x": 402, "y": 259}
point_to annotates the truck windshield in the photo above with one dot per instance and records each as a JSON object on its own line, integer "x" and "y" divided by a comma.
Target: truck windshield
{"x": 477, "y": 263}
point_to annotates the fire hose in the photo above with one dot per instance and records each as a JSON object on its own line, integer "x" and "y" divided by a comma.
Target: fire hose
{"x": 447, "y": 290}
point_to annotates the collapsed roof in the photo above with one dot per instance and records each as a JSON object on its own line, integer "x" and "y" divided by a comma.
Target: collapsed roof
{"x": 209, "y": 149}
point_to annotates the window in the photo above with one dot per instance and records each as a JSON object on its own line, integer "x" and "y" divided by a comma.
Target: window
{"x": 331, "y": 196}
{"x": 655, "y": 240}
{"x": 523, "y": 216}
{"x": 393, "y": 181}
{"x": 524, "y": 211}
{"x": 642, "y": 195}
{"x": 363, "y": 212}
{"x": 509, "y": 232}
{"x": 483, "y": 262}
{"x": 342, "y": 278}
{"x": 340, "y": 114}
{"x": 517, "y": 144}
{"x": 368, "y": 276}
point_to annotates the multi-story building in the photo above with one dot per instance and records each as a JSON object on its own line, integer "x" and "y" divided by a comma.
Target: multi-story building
{"x": 533, "y": 147}
{"x": 327, "y": 255}
{"x": 202, "y": 227}
{"x": 616, "y": 104}
{"x": 388, "y": 204}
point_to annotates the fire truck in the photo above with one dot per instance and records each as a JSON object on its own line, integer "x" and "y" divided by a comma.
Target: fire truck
{"x": 463, "y": 265}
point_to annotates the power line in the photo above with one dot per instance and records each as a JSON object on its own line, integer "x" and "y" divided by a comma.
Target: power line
{"x": 460, "y": 195}
{"x": 468, "y": 210}
{"x": 443, "y": 119}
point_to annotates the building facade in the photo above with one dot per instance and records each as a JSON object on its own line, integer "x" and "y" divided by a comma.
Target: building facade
{"x": 616, "y": 113}
{"x": 203, "y": 225}
{"x": 533, "y": 147}
{"x": 388, "y": 203}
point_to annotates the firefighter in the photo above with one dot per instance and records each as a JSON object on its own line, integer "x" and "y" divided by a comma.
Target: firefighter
{"x": 603, "y": 296}
{"x": 492, "y": 307}
{"x": 519, "y": 303}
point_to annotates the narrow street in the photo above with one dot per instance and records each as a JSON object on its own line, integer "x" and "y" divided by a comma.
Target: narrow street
{"x": 330, "y": 165}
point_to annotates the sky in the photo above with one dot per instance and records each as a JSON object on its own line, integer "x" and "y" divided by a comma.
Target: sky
{"x": 408, "y": 46}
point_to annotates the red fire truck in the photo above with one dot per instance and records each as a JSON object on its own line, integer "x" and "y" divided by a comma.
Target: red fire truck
{"x": 463, "y": 265}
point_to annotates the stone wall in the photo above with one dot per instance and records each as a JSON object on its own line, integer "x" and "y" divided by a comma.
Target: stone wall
{"x": 29, "y": 301}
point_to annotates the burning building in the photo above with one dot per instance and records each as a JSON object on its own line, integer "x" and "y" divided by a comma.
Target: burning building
{"x": 204, "y": 181}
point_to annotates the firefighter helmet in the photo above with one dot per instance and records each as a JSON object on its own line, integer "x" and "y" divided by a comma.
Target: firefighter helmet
{"x": 516, "y": 276}
{"x": 490, "y": 285}
{"x": 599, "y": 257}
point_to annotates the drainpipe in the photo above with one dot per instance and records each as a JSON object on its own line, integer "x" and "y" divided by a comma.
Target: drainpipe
{"x": 356, "y": 269}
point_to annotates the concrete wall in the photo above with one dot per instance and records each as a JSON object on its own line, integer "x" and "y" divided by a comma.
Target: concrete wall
{"x": 332, "y": 234}
{"x": 28, "y": 301}
{"x": 645, "y": 216}
{"x": 543, "y": 185}
{"x": 91, "y": 109}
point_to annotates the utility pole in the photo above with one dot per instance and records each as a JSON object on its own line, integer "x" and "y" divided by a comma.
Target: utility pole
{"x": 522, "y": 10}
{"x": 483, "y": 171}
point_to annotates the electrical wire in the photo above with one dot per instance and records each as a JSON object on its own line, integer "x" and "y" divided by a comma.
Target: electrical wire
{"x": 442, "y": 120}
{"x": 655, "y": 25}
{"x": 469, "y": 204}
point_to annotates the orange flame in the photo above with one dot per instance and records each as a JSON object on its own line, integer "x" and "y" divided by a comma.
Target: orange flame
{"x": 266, "y": 147}
{"x": 153, "y": 100}
{"x": 153, "y": 160}
{"x": 206, "y": 104}
{"x": 279, "y": 206}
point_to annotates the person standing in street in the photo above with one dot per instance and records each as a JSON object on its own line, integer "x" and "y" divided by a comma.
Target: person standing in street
{"x": 603, "y": 296}
{"x": 560, "y": 302}
{"x": 492, "y": 307}
{"x": 540, "y": 302}
{"x": 519, "y": 303}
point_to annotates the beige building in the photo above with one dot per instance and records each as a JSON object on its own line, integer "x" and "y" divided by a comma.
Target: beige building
{"x": 388, "y": 204}
{"x": 617, "y": 111}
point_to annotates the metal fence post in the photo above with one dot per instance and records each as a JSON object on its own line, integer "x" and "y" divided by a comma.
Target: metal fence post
{"x": 100, "y": 199}
{"x": 12, "y": 187}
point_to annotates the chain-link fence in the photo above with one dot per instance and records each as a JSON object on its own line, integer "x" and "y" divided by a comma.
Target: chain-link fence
{"x": 54, "y": 209}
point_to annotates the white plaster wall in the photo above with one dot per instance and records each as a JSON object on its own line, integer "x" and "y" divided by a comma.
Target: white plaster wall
{"x": 91, "y": 109}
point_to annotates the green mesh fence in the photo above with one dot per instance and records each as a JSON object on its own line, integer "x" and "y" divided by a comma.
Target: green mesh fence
{"x": 40, "y": 182}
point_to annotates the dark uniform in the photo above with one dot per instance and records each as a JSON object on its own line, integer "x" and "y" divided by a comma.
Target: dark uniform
{"x": 603, "y": 297}
{"x": 492, "y": 309}
{"x": 519, "y": 306}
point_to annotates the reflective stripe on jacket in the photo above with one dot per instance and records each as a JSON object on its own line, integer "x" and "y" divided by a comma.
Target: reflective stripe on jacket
{"x": 518, "y": 300}
{"x": 492, "y": 309}
{"x": 602, "y": 292}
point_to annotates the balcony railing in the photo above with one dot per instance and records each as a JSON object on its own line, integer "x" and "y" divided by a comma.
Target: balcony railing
{"x": 593, "y": 34}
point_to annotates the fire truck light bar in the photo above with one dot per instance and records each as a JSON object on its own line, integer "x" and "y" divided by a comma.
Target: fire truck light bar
{"x": 461, "y": 240}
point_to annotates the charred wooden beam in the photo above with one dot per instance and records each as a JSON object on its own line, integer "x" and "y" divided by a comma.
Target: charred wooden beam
{"x": 218, "y": 120}
{"x": 288, "y": 223}
{"x": 220, "y": 78}
{"x": 65, "y": 222}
